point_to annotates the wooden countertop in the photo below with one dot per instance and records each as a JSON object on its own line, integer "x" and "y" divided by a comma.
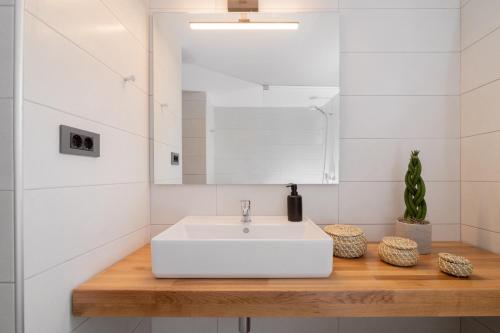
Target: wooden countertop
{"x": 361, "y": 287}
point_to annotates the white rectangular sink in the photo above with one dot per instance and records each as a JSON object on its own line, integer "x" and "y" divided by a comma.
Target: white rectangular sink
{"x": 224, "y": 247}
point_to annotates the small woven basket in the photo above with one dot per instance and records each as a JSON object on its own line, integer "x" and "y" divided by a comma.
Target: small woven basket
{"x": 349, "y": 241}
{"x": 398, "y": 251}
{"x": 455, "y": 265}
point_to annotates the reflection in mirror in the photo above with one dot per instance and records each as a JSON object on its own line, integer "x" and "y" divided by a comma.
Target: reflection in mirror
{"x": 245, "y": 107}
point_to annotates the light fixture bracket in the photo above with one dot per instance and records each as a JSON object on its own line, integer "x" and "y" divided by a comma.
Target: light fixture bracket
{"x": 242, "y": 6}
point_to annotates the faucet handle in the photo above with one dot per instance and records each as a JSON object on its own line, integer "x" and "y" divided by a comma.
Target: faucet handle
{"x": 245, "y": 211}
{"x": 245, "y": 204}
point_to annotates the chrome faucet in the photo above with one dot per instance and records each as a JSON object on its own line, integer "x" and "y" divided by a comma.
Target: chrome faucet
{"x": 245, "y": 211}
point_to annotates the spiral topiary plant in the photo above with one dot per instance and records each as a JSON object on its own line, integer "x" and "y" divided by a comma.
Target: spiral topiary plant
{"x": 416, "y": 207}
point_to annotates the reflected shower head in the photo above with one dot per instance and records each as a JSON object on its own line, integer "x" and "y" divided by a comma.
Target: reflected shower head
{"x": 316, "y": 108}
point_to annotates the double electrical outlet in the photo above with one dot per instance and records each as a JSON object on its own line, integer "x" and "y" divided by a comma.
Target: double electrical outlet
{"x": 74, "y": 141}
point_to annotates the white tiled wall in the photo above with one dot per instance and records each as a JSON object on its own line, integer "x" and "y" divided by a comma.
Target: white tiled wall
{"x": 77, "y": 56}
{"x": 400, "y": 66}
{"x": 268, "y": 145}
{"x": 480, "y": 143}
{"x": 481, "y": 123}
{"x": 7, "y": 286}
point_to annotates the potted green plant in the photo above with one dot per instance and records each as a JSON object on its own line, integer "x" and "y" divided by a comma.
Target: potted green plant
{"x": 413, "y": 224}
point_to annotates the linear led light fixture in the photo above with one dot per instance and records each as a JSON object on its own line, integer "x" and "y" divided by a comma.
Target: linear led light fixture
{"x": 243, "y": 6}
{"x": 244, "y": 25}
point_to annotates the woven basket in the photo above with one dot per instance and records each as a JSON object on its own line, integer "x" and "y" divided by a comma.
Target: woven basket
{"x": 398, "y": 251}
{"x": 454, "y": 265}
{"x": 349, "y": 241}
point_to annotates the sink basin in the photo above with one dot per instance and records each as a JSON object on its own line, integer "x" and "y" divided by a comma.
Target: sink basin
{"x": 224, "y": 247}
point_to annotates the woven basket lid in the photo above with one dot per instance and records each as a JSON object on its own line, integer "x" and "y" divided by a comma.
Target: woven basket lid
{"x": 454, "y": 258}
{"x": 343, "y": 230}
{"x": 400, "y": 243}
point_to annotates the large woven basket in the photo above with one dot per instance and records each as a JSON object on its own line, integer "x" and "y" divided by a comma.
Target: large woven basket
{"x": 398, "y": 251}
{"x": 349, "y": 241}
{"x": 454, "y": 265}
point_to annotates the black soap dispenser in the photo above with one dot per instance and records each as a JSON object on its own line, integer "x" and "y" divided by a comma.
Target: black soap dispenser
{"x": 294, "y": 202}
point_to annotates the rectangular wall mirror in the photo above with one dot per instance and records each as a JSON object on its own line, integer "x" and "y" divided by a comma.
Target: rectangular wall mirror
{"x": 245, "y": 106}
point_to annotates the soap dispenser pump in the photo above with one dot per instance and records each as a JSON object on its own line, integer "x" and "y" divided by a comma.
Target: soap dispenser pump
{"x": 294, "y": 202}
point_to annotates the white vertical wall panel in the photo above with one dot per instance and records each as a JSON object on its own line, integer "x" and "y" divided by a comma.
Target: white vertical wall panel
{"x": 6, "y": 51}
{"x": 404, "y": 117}
{"x": 52, "y": 238}
{"x": 481, "y": 157}
{"x": 83, "y": 214}
{"x": 387, "y": 159}
{"x": 54, "y": 287}
{"x": 480, "y": 129}
{"x": 6, "y": 144}
{"x": 92, "y": 92}
{"x": 122, "y": 159}
{"x": 400, "y": 74}
{"x": 480, "y": 207}
{"x": 480, "y": 64}
{"x": 402, "y": 30}
{"x": 479, "y": 18}
{"x": 132, "y": 14}
{"x": 480, "y": 110}
{"x": 94, "y": 28}
{"x": 7, "y": 324}
{"x": 391, "y": 4}
{"x": 6, "y": 236}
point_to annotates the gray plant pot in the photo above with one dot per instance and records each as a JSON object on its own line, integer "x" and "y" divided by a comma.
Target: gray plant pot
{"x": 420, "y": 233}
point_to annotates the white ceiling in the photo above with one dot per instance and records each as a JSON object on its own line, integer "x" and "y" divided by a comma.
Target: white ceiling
{"x": 306, "y": 57}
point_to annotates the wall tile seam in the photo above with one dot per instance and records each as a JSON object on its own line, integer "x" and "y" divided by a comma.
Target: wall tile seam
{"x": 74, "y": 329}
{"x": 388, "y": 181}
{"x": 54, "y": 266}
{"x": 97, "y": 59}
{"x": 427, "y": 180}
{"x": 480, "y": 39}
{"x": 423, "y": 52}
{"x": 222, "y": 9}
{"x": 125, "y": 26}
{"x": 480, "y": 86}
{"x": 72, "y": 114}
{"x": 138, "y": 325}
{"x": 407, "y": 138}
{"x": 480, "y": 228}
{"x": 454, "y": 224}
{"x": 481, "y": 181}
{"x": 479, "y": 134}
{"x": 134, "y": 329}
{"x": 62, "y": 187}
{"x": 485, "y": 325}
{"x": 400, "y": 95}
{"x": 341, "y": 9}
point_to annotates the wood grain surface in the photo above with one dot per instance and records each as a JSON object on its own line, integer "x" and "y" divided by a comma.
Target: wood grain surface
{"x": 364, "y": 287}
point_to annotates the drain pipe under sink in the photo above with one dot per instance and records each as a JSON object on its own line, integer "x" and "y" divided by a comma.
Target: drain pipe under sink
{"x": 244, "y": 324}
